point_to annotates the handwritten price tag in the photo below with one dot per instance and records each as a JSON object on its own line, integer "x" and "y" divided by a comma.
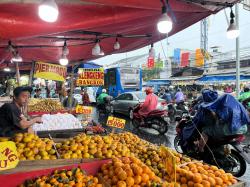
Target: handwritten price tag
{"x": 8, "y": 155}
{"x": 170, "y": 162}
{"x": 116, "y": 122}
{"x": 83, "y": 109}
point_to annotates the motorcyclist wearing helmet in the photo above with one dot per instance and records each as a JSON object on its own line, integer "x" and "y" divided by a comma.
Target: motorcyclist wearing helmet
{"x": 244, "y": 97}
{"x": 100, "y": 98}
{"x": 149, "y": 104}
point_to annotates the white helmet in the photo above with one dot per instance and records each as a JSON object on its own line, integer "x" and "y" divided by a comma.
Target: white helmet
{"x": 104, "y": 90}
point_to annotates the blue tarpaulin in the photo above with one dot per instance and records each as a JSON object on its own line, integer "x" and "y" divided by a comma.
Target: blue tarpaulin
{"x": 217, "y": 78}
{"x": 227, "y": 109}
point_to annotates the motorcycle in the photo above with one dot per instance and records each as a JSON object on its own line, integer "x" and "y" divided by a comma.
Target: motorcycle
{"x": 173, "y": 111}
{"x": 156, "y": 119}
{"x": 226, "y": 153}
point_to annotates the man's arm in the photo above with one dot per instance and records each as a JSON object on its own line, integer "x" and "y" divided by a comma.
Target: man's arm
{"x": 24, "y": 123}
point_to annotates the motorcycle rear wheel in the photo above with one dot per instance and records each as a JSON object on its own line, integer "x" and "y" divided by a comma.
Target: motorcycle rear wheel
{"x": 241, "y": 164}
{"x": 161, "y": 125}
{"x": 177, "y": 145}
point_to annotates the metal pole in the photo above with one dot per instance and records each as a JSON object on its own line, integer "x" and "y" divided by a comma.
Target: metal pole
{"x": 31, "y": 73}
{"x": 237, "y": 53}
{"x": 17, "y": 74}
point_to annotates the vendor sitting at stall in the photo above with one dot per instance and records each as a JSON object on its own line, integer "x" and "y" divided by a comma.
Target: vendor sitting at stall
{"x": 38, "y": 93}
{"x": 12, "y": 119}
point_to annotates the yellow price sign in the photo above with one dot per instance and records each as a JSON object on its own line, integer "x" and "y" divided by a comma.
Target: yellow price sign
{"x": 83, "y": 109}
{"x": 116, "y": 122}
{"x": 170, "y": 162}
{"x": 8, "y": 155}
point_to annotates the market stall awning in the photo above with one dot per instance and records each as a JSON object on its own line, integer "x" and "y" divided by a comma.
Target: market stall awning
{"x": 80, "y": 21}
{"x": 223, "y": 78}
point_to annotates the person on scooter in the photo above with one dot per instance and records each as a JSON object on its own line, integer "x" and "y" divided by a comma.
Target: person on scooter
{"x": 167, "y": 96}
{"x": 101, "y": 99}
{"x": 244, "y": 97}
{"x": 149, "y": 104}
{"x": 179, "y": 100}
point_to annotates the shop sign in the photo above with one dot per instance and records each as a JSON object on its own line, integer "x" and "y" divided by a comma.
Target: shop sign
{"x": 170, "y": 162}
{"x": 116, "y": 122}
{"x": 83, "y": 109}
{"x": 90, "y": 77}
{"x": 8, "y": 155}
{"x": 50, "y": 71}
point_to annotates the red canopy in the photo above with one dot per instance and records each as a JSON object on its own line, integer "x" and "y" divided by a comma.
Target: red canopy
{"x": 19, "y": 22}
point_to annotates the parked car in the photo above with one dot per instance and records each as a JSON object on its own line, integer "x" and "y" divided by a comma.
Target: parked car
{"x": 125, "y": 103}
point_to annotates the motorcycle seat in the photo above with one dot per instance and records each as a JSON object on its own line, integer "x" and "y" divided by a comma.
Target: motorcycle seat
{"x": 156, "y": 112}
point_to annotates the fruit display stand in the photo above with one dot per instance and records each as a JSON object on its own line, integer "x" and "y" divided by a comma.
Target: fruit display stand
{"x": 15, "y": 179}
{"x": 79, "y": 149}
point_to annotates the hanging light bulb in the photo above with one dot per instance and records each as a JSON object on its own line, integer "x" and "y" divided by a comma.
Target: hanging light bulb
{"x": 16, "y": 58}
{"x": 96, "y": 50}
{"x": 48, "y": 11}
{"x": 64, "y": 61}
{"x": 165, "y": 23}
{"x": 232, "y": 30}
{"x": 65, "y": 51}
{"x": 151, "y": 52}
{"x": 117, "y": 44}
{"x": 6, "y": 69}
{"x": 101, "y": 53}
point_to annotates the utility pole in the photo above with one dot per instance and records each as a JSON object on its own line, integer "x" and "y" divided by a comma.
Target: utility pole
{"x": 204, "y": 37}
{"x": 237, "y": 52}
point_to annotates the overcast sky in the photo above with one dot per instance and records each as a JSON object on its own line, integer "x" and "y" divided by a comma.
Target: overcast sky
{"x": 190, "y": 38}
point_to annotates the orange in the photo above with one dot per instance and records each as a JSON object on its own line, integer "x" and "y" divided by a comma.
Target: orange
{"x": 178, "y": 177}
{"x": 205, "y": 183}
{"x": 198, "y": 185}
{"x": 118, "y": 170}
{"x": 130, "y": 181}
{"x": 197, "y": 178}
{"x": 204, "y": 177}
{"x": 211, "y": 175}
{"x": 137, "y": 179}
{"x": 194, "y": 170}
{"x": 99, "y": 185}
{"x": 183, "y": 180}
{"x": 206, "y": 167}
{"x": 129, "y": 172}
{"x": 114, "y": 179}
{"x": 214, "y": 168}
{"x": 186, "y": 168}
{"x": 211, "y": 181}
{"x": 218, "y": 180}
{"x": 121, "y": 184}
{"x": 184, "y": 185}
{"x": 122, "y": 175}
{"x": 217, "y": 173}
{"x": 234, "y": 181}
{"x": 224, "y": 177}
{"x": 190, "y": 183}
{"x": 189, "y": 176}
{"x": 145, "y": 177}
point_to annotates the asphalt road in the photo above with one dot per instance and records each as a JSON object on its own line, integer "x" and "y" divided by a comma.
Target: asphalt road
{"x": 168, "y": 139}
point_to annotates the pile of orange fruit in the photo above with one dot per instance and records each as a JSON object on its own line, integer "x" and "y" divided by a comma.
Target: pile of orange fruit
{"x": 126, "y": 172}
{"x": 31, "y": 147}
{"x": 61, "y": 178}
{"x": 197, "y": 174}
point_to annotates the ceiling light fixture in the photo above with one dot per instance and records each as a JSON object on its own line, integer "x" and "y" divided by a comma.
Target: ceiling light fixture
{"x": 96, "y": 50}
{"x": 165, "y": 23}
{"x": 64, "y": 61}
{"x": 7, "y": 69}
{"x": 65, "y": 51}
{"x": 151, "y": 52}
{"x": 16, "y": 58}
{"x": 232, "y": 30}
{"x": 48, "y": 11}
{"x": 117, "y": 45}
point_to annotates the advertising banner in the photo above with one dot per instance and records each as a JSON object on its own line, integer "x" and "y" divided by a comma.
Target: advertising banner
{"x": 50, "y": 71}
{"x": 90, "y": 77}
{"x": 8, "y": 155}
